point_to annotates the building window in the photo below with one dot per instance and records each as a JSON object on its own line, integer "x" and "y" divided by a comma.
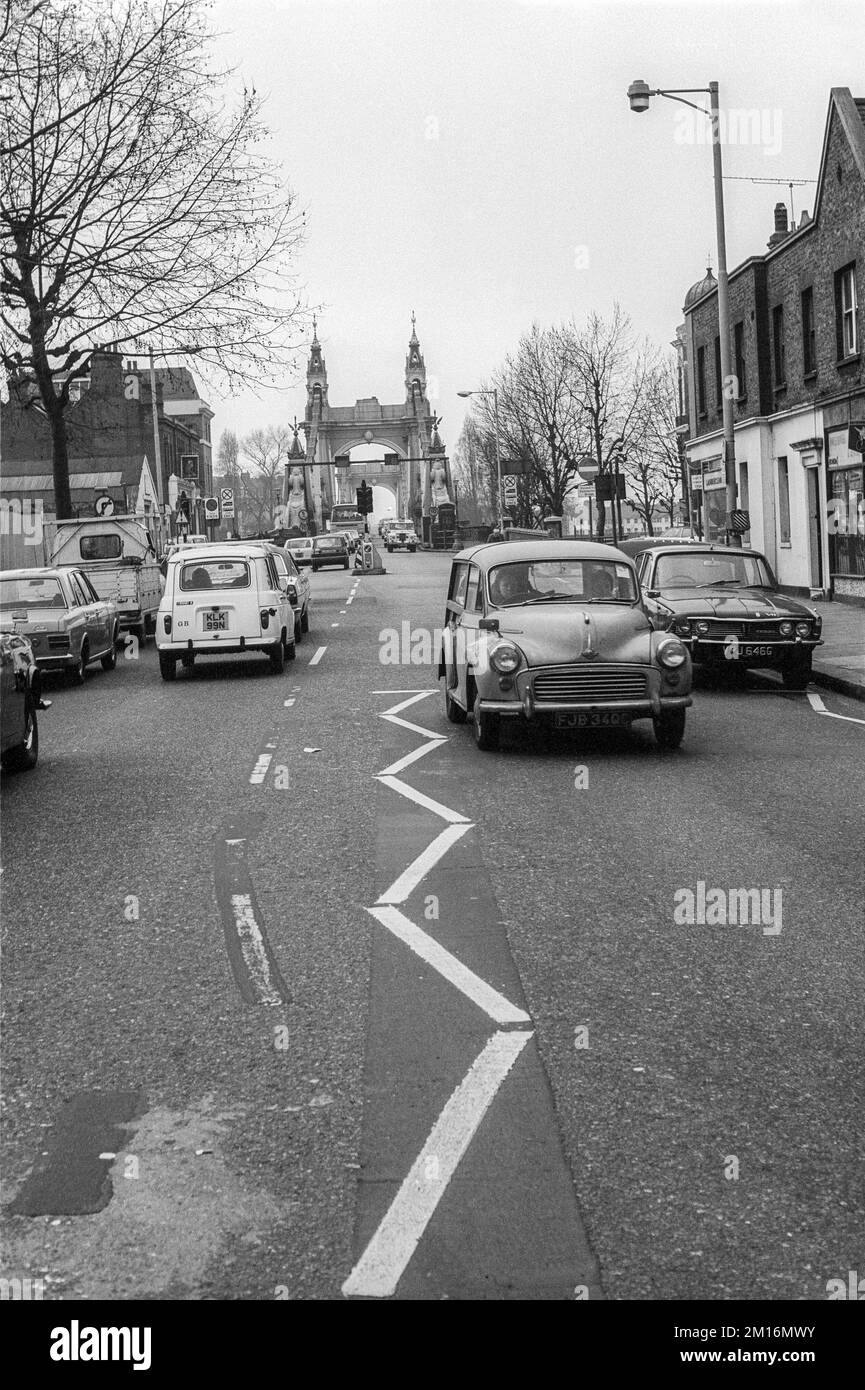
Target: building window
{"x": 739, "y": 362}
{"x": 783, "y": 502}
{"x": 809, "y": 333}
{"x": 778, "y": 346}
{"x": 845, "y": 311}
{"x": 701, "y": 380}
{"x": 718, "y": 374}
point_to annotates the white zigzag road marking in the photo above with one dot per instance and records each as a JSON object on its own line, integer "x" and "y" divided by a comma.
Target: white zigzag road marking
{"x": 418, "y": 869}
{"x": 455, "y": 817}
{"x": 500, "y": 1009}
{"x": 410, "y": 758}
{"x": 817, "y": 705}
{"x": 415, "y": 728}
{"x": 383, "y": 1262}
{"x": 404, "y": 704}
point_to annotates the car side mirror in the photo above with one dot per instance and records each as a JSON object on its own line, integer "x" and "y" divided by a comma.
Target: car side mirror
{"x": 489, "y": 624}
{"x": 653, "y": 593}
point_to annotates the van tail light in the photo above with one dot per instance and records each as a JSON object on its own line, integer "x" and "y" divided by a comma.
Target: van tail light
{"x": 264, "y": 615}
{"x": 166, "y": 622}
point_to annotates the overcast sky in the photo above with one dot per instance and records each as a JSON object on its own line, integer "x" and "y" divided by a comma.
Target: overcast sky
{"x": 478, "y": 162}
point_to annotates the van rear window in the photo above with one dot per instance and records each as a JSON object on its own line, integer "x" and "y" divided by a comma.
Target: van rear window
{"x": 100, "y": 547}
{"x": 215, "y": 574}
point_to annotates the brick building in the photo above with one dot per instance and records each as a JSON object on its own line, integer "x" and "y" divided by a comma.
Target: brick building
{"x": 797, "y": 318}
{"x": 110, "y": 433}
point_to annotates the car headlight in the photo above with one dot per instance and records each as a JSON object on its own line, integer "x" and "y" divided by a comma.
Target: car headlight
{"x": 803, "y": 629}
{"x": 786, "y": 629}
{"x": 671, "y": 653}
{"x": 682, "y": 626}
{"x": 702, "y": 628}
{"x": 505, "y": 659}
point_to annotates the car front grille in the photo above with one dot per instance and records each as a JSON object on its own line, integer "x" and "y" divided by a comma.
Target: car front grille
{"x": 590, "y": 684}
{"x": 749, "y": 631}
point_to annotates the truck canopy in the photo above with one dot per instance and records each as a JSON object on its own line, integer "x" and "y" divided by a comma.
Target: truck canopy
{"x": 110, "y": 538}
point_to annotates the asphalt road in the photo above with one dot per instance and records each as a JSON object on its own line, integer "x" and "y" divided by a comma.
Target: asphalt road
{"x": 307, "y": 998}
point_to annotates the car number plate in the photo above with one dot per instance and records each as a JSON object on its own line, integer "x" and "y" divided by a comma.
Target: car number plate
{"x": 217, "y": 621}
{"x": 590, "y": 719}
{"x": 752, "y": 649}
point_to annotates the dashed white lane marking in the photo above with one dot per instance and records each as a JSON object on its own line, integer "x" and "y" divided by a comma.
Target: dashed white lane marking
{"x": 817, "y": 704}
{"x": 287, "y": 704}
{"x": 314, "y": 660}
{"x": 252, "y": 946}
{"x": 494, "y": 1004}
{"x": 453, "y": 817}
{"x": 334, "y": 624}
{"x": 342, "y": 612}
{"x": 404, "y": 886}
{"x": 403, "y": 763}
{"x": 259, "y": 772}
{"x": 384, "y": 1260}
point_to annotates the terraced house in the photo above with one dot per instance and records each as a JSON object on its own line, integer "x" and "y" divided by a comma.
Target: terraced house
{"x": 798, "y": 323}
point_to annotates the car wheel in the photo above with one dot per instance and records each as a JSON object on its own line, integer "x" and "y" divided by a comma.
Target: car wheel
{"x": 314, "y": 569}
{"x": 298, "y": 629}
{"x": 486, "y": 728}
{"x": 304, "y": 619}
{"x": 290, "y": 649}
{"x": 277, "y": 656}
{"x": 454, "y": 713}
{"x": 167, "y": 667}
{"x": 390, "y": 550}
{"x": 797, "y": 675}
{"x": 187, "y": 661}
{"x": 79, "y": 671}
{"x": 140, "y": 631}
{"x": 109, "y": 660}
{"x": 345, "y": 566}
{"x": 669, "y": 728}
{"x": 26, "y": 755}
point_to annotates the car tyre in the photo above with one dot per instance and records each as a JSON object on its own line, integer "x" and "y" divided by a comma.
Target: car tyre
{"x": 276, "y": 653}
{"x": 26, "y": 755}
{"x": 669, "y": 728}
{"x": 78, "y": 672}
{"x": 187, "y": 661}
{"x": 298, "y": 629}
{"x": 304, "y": 619}
{"x": 109, "y": 660}
{"x": 291, "y": 649}
{"x": 454, "y": 713}
{"x": 486, "y": 728}
{"x": 167, "y": 667}
{"x": 797, "y": 675}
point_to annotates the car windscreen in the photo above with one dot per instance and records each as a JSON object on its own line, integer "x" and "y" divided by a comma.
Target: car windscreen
{"x": 687, "y": 570}
{"x": 100, "y": 547}
{"x": 215, "y": 574}
{"x": 36, "y": 592}
{"x": 559, "y": 581}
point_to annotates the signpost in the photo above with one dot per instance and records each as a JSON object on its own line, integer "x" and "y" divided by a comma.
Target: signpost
{"x": 211, "y": 511}
{"x": 588, "y": 468}
{"x": 104, "y": 505}
{"x": 509, "y": 490}
{"x": 226, "y": 498}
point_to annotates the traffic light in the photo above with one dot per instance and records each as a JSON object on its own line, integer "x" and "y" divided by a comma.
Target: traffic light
{"x": 183, "y": 505}
{"x": 364, "y": 499}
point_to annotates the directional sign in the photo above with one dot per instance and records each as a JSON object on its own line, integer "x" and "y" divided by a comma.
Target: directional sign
{"x": 226, "y": 498}
{"x": 104, "y": 505}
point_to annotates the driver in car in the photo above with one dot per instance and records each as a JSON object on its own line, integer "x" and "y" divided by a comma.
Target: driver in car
{"x": 511, "y": 584}
{"x": 599, "y": 583}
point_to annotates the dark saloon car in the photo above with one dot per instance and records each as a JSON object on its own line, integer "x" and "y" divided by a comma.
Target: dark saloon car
{"x": 329, "y": 550}
{"x": 20, "y": 697}
{"x": 727, "y": 608}
{"x": 556, "y": 632}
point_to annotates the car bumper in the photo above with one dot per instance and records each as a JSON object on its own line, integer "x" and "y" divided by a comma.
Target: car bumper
{"x": 718, "y": 651}
{"x": 198, "y": 647}
{"x": 524, "y": 703}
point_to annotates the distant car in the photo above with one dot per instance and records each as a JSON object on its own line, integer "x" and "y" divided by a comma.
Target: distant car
{"x": 556, "y": 632}
{"x": 725, "y": 605}
{"x": 20, "y": 697}
{"x": 401, "y": 537}
{"x": 59, "y": 611}
{"x": 300, "y": 549}
{"x": 329, "y": 550}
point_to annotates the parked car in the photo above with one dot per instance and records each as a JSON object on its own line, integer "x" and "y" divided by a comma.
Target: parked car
{"x": 20, "y": 698}
{"x": 329, "y": 550}
{"x": 67, "y": 623}
{"x": 557, "y": 632}
{"x": 725, "y": 605}
{"x": 300, "y": 549}
{"x": 224, "y": 597}
{"x": 298, "y": 588}
{"x": 118, "y": 555}
{"x": 401, "y": 537}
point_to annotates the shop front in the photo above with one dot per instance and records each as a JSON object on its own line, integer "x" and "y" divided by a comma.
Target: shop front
{"x": 845, "y": 510}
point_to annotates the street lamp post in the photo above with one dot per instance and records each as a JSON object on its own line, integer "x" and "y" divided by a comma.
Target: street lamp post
{"x": 639, "y": 94}
{"x": 493, "y": 391}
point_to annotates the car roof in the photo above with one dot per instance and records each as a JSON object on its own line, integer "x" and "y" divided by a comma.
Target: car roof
{"x": 43, "y": 572}
{"x": 226, "y": 548}
{"x": 505, "y": 552}
{"x": 705, "y": 548}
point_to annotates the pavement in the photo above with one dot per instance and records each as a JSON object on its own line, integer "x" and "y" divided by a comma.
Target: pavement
{"x": 840, "y": 663}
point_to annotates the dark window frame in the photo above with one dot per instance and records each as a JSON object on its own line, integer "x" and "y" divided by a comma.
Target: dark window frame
{"x": 809, "y": 332}
{"x": 739, "y": 360}
{"x": 845, "y": 353}
{"x": 779, "y": 348}
{"x": 701, "y": 379}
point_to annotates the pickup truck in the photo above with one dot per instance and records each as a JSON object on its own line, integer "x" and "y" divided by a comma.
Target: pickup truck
{"x": 119, "y": 557}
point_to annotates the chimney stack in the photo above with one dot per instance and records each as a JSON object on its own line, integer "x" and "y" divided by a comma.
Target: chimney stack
{"x": 781, "y": 228}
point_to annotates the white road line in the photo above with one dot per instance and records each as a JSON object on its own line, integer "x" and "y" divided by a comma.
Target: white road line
{"x": 817, "y": 704}
{"x": 450, "y": 967}
{"x": 314, "y": 660}
{"x": 418, "y": 869}
{"x": 259, "y": 772}
{"x": 453, "y": 817}
{"x": 410, "y": 758}
{"x": 334, "y": 624}
{"x": 252, "y": 946}
{"x": 287, "y": 704}
{"x": 401, "y": 692}
{"x": 349, "y": 600}
{"x": 404, "y": 704}
{"x": 383, "y": 1262}
{"x": 404, "y": 723}
{"x": 342, "y": 612}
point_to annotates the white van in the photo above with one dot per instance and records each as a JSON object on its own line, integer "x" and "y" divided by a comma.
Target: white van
{"x": 221, "y": 598}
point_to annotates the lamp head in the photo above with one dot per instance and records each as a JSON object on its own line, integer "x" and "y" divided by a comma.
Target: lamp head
{"x": 639, "y": 95}
{"x": 465, "y": 393}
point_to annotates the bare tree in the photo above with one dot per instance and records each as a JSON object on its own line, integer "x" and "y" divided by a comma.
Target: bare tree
{"x": 662, "y": 439}
{"x": 136, "y": 205}
{"x": 262, "y": 489}
{"x": 474, "y": 471}
{"x": 227, "y": 453}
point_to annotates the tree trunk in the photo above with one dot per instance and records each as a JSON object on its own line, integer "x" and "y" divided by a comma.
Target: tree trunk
{"x": 60, "y": 449}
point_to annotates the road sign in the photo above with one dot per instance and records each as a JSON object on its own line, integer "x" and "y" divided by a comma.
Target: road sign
{"x": 104, "y": 505}
{"x": 516, "y": 467}
{"x": 740, "y": 522}
{"x": 509, "y": 490}
{"x": 211, "y": 510}
{"x": 226, "y": 499}
{"x": 588, "y": 468}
